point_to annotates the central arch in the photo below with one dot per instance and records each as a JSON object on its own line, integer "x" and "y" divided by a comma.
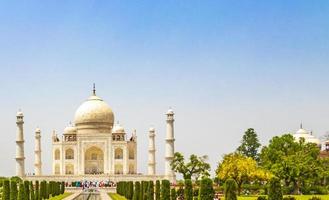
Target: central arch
{"x": 94, "y": 161}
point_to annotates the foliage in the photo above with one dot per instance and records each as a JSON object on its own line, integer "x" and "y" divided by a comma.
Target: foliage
{"x": 157, "y": 190}
{"x": 165, "y": 190}
{"x": 13, "y": 190}
{"x": 173, "y": 195}
{"x": 188, "y": 190}
{"x": 275, "y": 191}
{"x": 206, "y": 189}
{"x": 37, "y": 191}
{"x": 196, "y": 167}
{"x": 137, "y": 191}
{"x": 26, "y": 190}
{"x": 32, "y": 196}
{"x": 289, "y": 198}
{"x": 250, "y": 144}
{"x": 231, "y": 189}
{"x": 16, "y": 178}
{"x": 62, "y": 187}
{"x": 150, "y": 191}
{"x": 293, "y": 162}
{"x": 261, "y": 198}
{"x": 21, "y": 192}
{"x": 240, "y": 168}
{"x": 6, "y": 190}
{"x": 315, "y": 198}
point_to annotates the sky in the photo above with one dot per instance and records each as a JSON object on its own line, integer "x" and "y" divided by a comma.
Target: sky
{"x": 223, "y": 67}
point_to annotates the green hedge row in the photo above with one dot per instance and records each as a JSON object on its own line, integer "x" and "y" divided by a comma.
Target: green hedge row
{"x": 25, "y": 190}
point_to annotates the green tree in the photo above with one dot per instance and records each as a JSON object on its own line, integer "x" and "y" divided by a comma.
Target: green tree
{"x": 37, "y": 191}
{"x": 6, "y": 190}
{"x": 32, "y": 196}
{"x": 196, "y": 167}
{"x": 21, "y": 194}
{"x": 249, "y": 146}
{"x": 150, "y": 194}
{"x": 231, "y": 189}
{"x": 241, "y": 168}
{"x": 275, "y": 191}
{"x": 137, "y": 191}
{"x": 165, "y": 190}
{"x": 188, "y": 191}
{"x": 157, "y": 190}
{"x": 173, "y": 195}
{"x": 63, "y": 187}
{"x": 13, "y": 190}
{"x": 27, "y": 190}
{"x": 290, "y": 161}
{"x": 206, "y": 189}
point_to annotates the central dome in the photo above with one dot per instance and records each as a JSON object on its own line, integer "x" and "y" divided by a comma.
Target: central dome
{"x": 94, "y": 112}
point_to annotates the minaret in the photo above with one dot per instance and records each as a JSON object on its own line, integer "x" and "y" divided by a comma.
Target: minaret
{"x": 37, "y": 153}
{"x": 170, "y": 147}
{"x": 151, "y": 162}
{"x": 20, "y": 159}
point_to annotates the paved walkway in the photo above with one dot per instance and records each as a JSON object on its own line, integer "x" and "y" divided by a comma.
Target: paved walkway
{"x": 104, "y": 196}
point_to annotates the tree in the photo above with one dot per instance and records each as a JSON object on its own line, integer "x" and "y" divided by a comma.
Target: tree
{"x": 165, "y": 190}
{"x": 196, "y": 167}
{"x": 188, "y": 191}
{"x": 157, "y": 190}
{"x": 6, "y": 190}
{"x": 290, "y": 161}
{"x": 275, "y": 191}
{"x": 231, "y": 189}
{"x": 150, "y": 193}
{"x": 21, "y": 194}
{"x": 206, "y": 190}
{"x": 250, "y": 144}
{"x": 13, "y": 190}
{"x": 32, "y": 196}
{"x": 240, "y": 168}
{"x": 63, "y": 187}
{"x": 37, "y": 191}
{"x": 173, "y": 195}
{"x": 26, "y": 190}
{"x": 137, "y": 191}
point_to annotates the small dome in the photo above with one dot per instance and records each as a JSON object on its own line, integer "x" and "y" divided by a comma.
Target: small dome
{"x": 70, "y": 130}
{"x": 37, "y": 130}
{"x": 313, "y": 140}
{"x": 118, "y": 128}
{"x": 19, "y": 114}
{"x": 151, "y": 129}
{"x": 170, "y": 112}
{"x": 302, "y": 131}
{"x": 94, "y": 111}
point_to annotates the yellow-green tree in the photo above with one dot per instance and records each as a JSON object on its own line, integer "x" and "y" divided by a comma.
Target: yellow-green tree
{"x": 241, "y": 168}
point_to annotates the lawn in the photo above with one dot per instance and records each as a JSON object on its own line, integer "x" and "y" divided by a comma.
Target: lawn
{"x": 62, "y": 196}
{"x": 115, "y": 196}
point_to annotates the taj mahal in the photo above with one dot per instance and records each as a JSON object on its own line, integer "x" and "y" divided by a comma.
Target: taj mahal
{"x": 96, "y": 147}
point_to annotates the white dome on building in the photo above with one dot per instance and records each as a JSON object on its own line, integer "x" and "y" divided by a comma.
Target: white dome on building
{"x": 309, "y": 138}
{"x": 118, "y": 128}
{"x": 94, "y": 111}
{"x": 70, "y": 130}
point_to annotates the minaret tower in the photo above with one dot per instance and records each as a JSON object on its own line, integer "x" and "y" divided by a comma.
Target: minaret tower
{"x": 20, "y": 159}
{"x": 151, "y": 162}
{"x": 37, "y": 153}
{"x": 170, "y": 147}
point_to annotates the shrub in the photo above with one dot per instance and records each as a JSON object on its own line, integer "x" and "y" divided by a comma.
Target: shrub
{"x": 206, "y": 189}
{"x": 13, "y": 190}
{"x": 196, "y": 192}
{"x": 231, "y": 189}
{"x": 6, "y": 190}
{"x": 173, "y": 195}
{"x": 150, "y": 191}
{"x": 137, "y": 191}
{"x": 32, "y": 196}
{"x": 37, "y": 191}
{"x": 130, "y": 190}
{"x": 145, "y": 189}
{"x": 275, "y": 190}
{"x": 180, "y": 193}
{"x": 188, "y": 190}
{"x": 157, "y": 190}
{"x": 21, "y": 192}
{"x": 165, "y": 190}
{"x": 26, "y": 190}
{"x": 261, "y": 198}
{"x": 62, "y": 187}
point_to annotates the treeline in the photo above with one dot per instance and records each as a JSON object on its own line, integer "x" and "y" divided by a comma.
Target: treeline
{"x": 148, "y": 190}
{"x": 16, "y": 189}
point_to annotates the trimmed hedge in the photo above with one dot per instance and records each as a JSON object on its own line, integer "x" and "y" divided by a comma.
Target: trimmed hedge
{"x": 150, "y": 191}
{"x": 206, "y": 190}
{"x": 6, "y": 190}
{"x": 275, "y": 190}
{"x": 173, "y": 195}
{"x": 188, "y": 190}
{"x": 231, "y": 190}
{"x": 165, "y": 190}
{"x": 137, "y": 191}
{"x": 13, "y": 190}
{"x": 157, "y": 190}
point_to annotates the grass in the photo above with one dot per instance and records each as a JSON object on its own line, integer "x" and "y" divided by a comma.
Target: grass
{"x": 115, "y": 196}
{"x": 59, "y": 197}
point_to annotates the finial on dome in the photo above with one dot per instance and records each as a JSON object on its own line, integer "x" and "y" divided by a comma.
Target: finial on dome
{"x": 94, "y": 89}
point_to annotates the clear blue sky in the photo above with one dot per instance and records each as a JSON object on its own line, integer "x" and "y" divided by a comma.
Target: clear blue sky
{"x": 223, "y": 66}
